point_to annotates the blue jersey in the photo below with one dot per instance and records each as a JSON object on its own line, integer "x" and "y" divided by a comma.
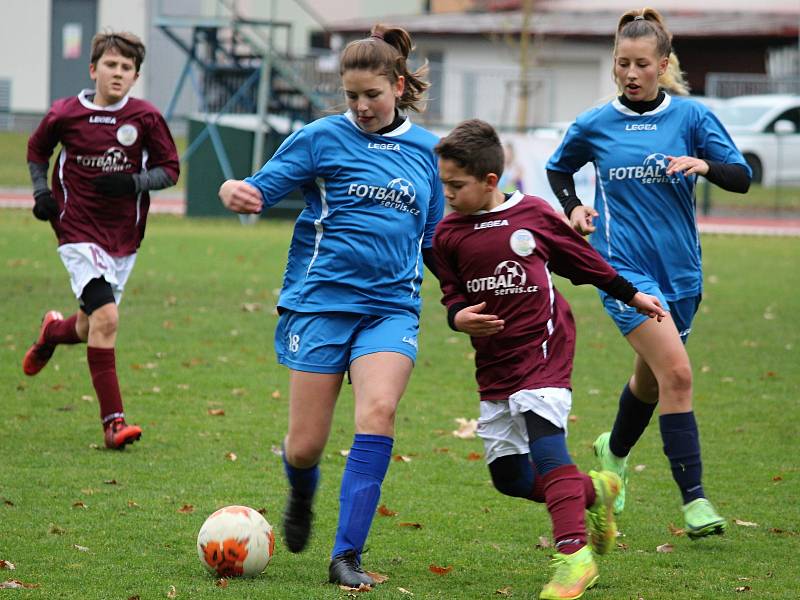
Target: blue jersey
{"x": 646, "y": 223}
{"x": 372, "y": 204}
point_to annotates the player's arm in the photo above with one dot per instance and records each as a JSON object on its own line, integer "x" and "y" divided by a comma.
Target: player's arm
{"x": 581, "y": 217}
{"x": 40, "y": 149}
{"x": 241, "y": 197}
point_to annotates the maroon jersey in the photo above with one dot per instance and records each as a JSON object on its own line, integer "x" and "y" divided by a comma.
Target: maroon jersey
{"x": 128, "y": 137}
{"x": 504, "y": 257}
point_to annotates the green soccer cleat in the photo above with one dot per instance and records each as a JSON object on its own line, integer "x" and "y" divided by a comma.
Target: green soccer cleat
{"x": 615, "y": 464}
{"x": 575, "y": 573}
{"x": 602, "y": 528}
{"x": 702, "y": 520}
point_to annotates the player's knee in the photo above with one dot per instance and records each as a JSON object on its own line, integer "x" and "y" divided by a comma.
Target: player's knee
{"x": 678, "y": 378}
{"x": 507, "y": 478}
{"x": 377, "y": 415}
{"x": 304, "y": 456}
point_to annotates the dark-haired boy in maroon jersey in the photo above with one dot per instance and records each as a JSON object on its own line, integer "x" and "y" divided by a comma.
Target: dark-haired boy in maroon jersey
{"x": 114, "y": 150}
{"x": 494, "y": 254}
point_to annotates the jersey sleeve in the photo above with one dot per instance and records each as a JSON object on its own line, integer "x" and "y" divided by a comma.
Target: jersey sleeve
{"x": 291, "y": 166}
{"x": 571, "y": 256}
{"x": 161, "y": 148}
{"x": 435, "y": 212}
{"x": 45, "y": 138}
{"x": 450, "y": 284}
{"x": 714, "y": 142}
{"x": 574, "y": 151}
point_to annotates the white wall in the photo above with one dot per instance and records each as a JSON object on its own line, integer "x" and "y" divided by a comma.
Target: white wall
{"x": 24, "y": 31}
{"x": 133, "y": 16}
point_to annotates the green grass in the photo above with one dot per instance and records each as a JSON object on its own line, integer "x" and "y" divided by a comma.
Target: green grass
{"x": 186, "y": 344}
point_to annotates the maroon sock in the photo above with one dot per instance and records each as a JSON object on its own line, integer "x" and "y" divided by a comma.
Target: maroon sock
{"x": 103, "y": 367}
{"x": 564, "y": 494}
{"x": 62, "y": 331}
{"x": 588, "y": 490}
{"x": 537, "y": 493}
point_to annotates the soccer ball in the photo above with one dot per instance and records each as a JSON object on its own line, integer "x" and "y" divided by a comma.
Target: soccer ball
{"x": 235, "y": 541}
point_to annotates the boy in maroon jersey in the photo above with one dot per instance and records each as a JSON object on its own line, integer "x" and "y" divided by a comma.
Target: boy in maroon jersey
{"x": 114, "y": 150}
{"x": 494, "y": 255}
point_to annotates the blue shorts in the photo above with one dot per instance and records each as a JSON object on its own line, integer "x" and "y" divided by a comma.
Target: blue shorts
{"x": 627, "y": 319}
{"x": 329, "y": 342}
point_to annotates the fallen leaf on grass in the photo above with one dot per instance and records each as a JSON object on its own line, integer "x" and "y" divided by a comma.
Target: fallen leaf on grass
{"x": 665, "y": 548}
{"x": 363, "y": 587}
{"x": 745, "y": 523}
{"x": 405, "y": 591}
{"x": 573, "y": 418}
{"x": 344, "y": 453}
{"x": 186, "y": 509}
{"x": 56, "y": 530}
{"x": 543, "y": 543}
{"x": 777, "y": 478}
{"x": 221, "y": 583}
{"x": 385, "y": 512}
{"x": 110, "y": 481}
{"x": 216, "y": 412}
{"x": 622, "y": 546}
{"x": 474, "y": 456}
{"x": 439, "y": 570}
{"x": 78, "y": 504}
{"x": 7, "y": 502}
{"x": 412, "y": 525}
{"x": 15, "y": 584}
{"x": 80, "y": 548}
{"x": 252, "y": 307}
{"x": 401, "y": 458}
{"x": 441, "y": 450}
{"x": 231, "y": 456}
{"x": 742, "y": 588}
{"x": 238, "y": 391}
{"x": 172, "y": 593}
{"x": 132, "y": 504}
{"x": 377, "y": 577}
{"x": 676, "y": 531}
{"x": 639, "y": 468}
{"x": 504, "y": 591}
{"x": 182, "y": 386}
{"x": 276, "y": 394}
{"x": 7, "y": 564}
{"x": 467, "y": 428}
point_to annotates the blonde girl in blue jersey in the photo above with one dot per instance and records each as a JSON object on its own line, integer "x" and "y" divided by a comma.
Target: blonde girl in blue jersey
{"x": 648, "y": 146}
{"x": 350, "y": 298}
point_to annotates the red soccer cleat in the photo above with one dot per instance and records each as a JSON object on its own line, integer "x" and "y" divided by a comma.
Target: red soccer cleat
{"x": 39, "y": 353}
{"x": 118, "y": 434}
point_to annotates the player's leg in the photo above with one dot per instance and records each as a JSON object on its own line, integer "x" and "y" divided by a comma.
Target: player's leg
{"x": 99, "y": 304}
{"x": 54, "y": 330}
{"x": 383, "y": 355}
{"x": 661, "y": 347}
{"x": 315, "y": 347}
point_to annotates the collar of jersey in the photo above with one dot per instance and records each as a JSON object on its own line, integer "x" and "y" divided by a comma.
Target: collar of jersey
{"x": 82, "y": 97}
{"x": 395, "y": 132}
{"x": 630, "y": 113}
{"x": 515, "y": 199}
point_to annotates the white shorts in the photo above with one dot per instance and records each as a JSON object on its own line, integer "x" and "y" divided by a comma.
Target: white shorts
{"x": 501, "y": 425}
{"x": 86, "y": 261}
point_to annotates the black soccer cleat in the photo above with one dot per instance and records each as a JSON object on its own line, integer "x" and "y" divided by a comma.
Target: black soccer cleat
{"x": 345, "y": 570}
{"x": 297, "y": 521}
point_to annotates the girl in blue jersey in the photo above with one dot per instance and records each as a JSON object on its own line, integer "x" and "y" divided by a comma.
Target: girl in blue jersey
{"x": 351, "y": 293}
{"x": 648, "y": 148}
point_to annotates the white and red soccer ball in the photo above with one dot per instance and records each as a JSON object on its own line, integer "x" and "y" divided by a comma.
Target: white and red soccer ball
{"x": 235, "y": 541}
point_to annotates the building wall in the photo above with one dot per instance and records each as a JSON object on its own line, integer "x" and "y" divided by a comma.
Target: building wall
{"x": 25, "y": 60}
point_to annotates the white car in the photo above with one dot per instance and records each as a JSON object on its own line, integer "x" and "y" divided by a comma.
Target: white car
{"x": 766, "y": 128}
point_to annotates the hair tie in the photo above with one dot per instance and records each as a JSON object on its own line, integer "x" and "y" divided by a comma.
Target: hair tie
{"x": 378, "y": 36}
{"x": 639, "y": 18}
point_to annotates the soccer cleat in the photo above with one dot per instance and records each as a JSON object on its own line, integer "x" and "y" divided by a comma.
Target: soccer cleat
{"x": 118, "y": 434}
{"x": 615, "y": 464}
{"x": 575, "y": 573}
{"x": 602, "y": 528}
{"x": 702, "y": 520}
{"x": 297, "y": 521}
{"x": 346, "y": 570}
{"x": 40, "y": 352}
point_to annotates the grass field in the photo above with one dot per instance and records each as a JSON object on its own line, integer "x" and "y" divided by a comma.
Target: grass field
{"x": 196, "y": 334}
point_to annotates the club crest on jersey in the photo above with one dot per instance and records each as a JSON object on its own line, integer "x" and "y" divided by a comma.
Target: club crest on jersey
{"x": 522, "y": 242}
{"x": 652, "y": 170}
{"x": 114, "y": 160}
{"x": 509, "y": 277}
{"x": 398, "y": 194}
{"x": 127, "y": 134}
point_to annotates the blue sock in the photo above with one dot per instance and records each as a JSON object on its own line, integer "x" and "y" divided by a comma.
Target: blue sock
{"x": 304, "y": 481}
{"x": 682, "y": 447}
{"x": 549, "y": 452}
{"x": 633, "y": 416}
{"x": 363, "y": 475}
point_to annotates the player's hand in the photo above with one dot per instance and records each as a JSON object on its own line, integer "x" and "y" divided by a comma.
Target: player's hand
{"x": 470, "y": 320}
{"x": 45, "y": 206}
{"x": 688, "y": 165}
{"x": 241, "y": 197}
{"x": 582, "y": 219}
{"x": 648, "y": 305}
{"x": 115, "y": 184}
